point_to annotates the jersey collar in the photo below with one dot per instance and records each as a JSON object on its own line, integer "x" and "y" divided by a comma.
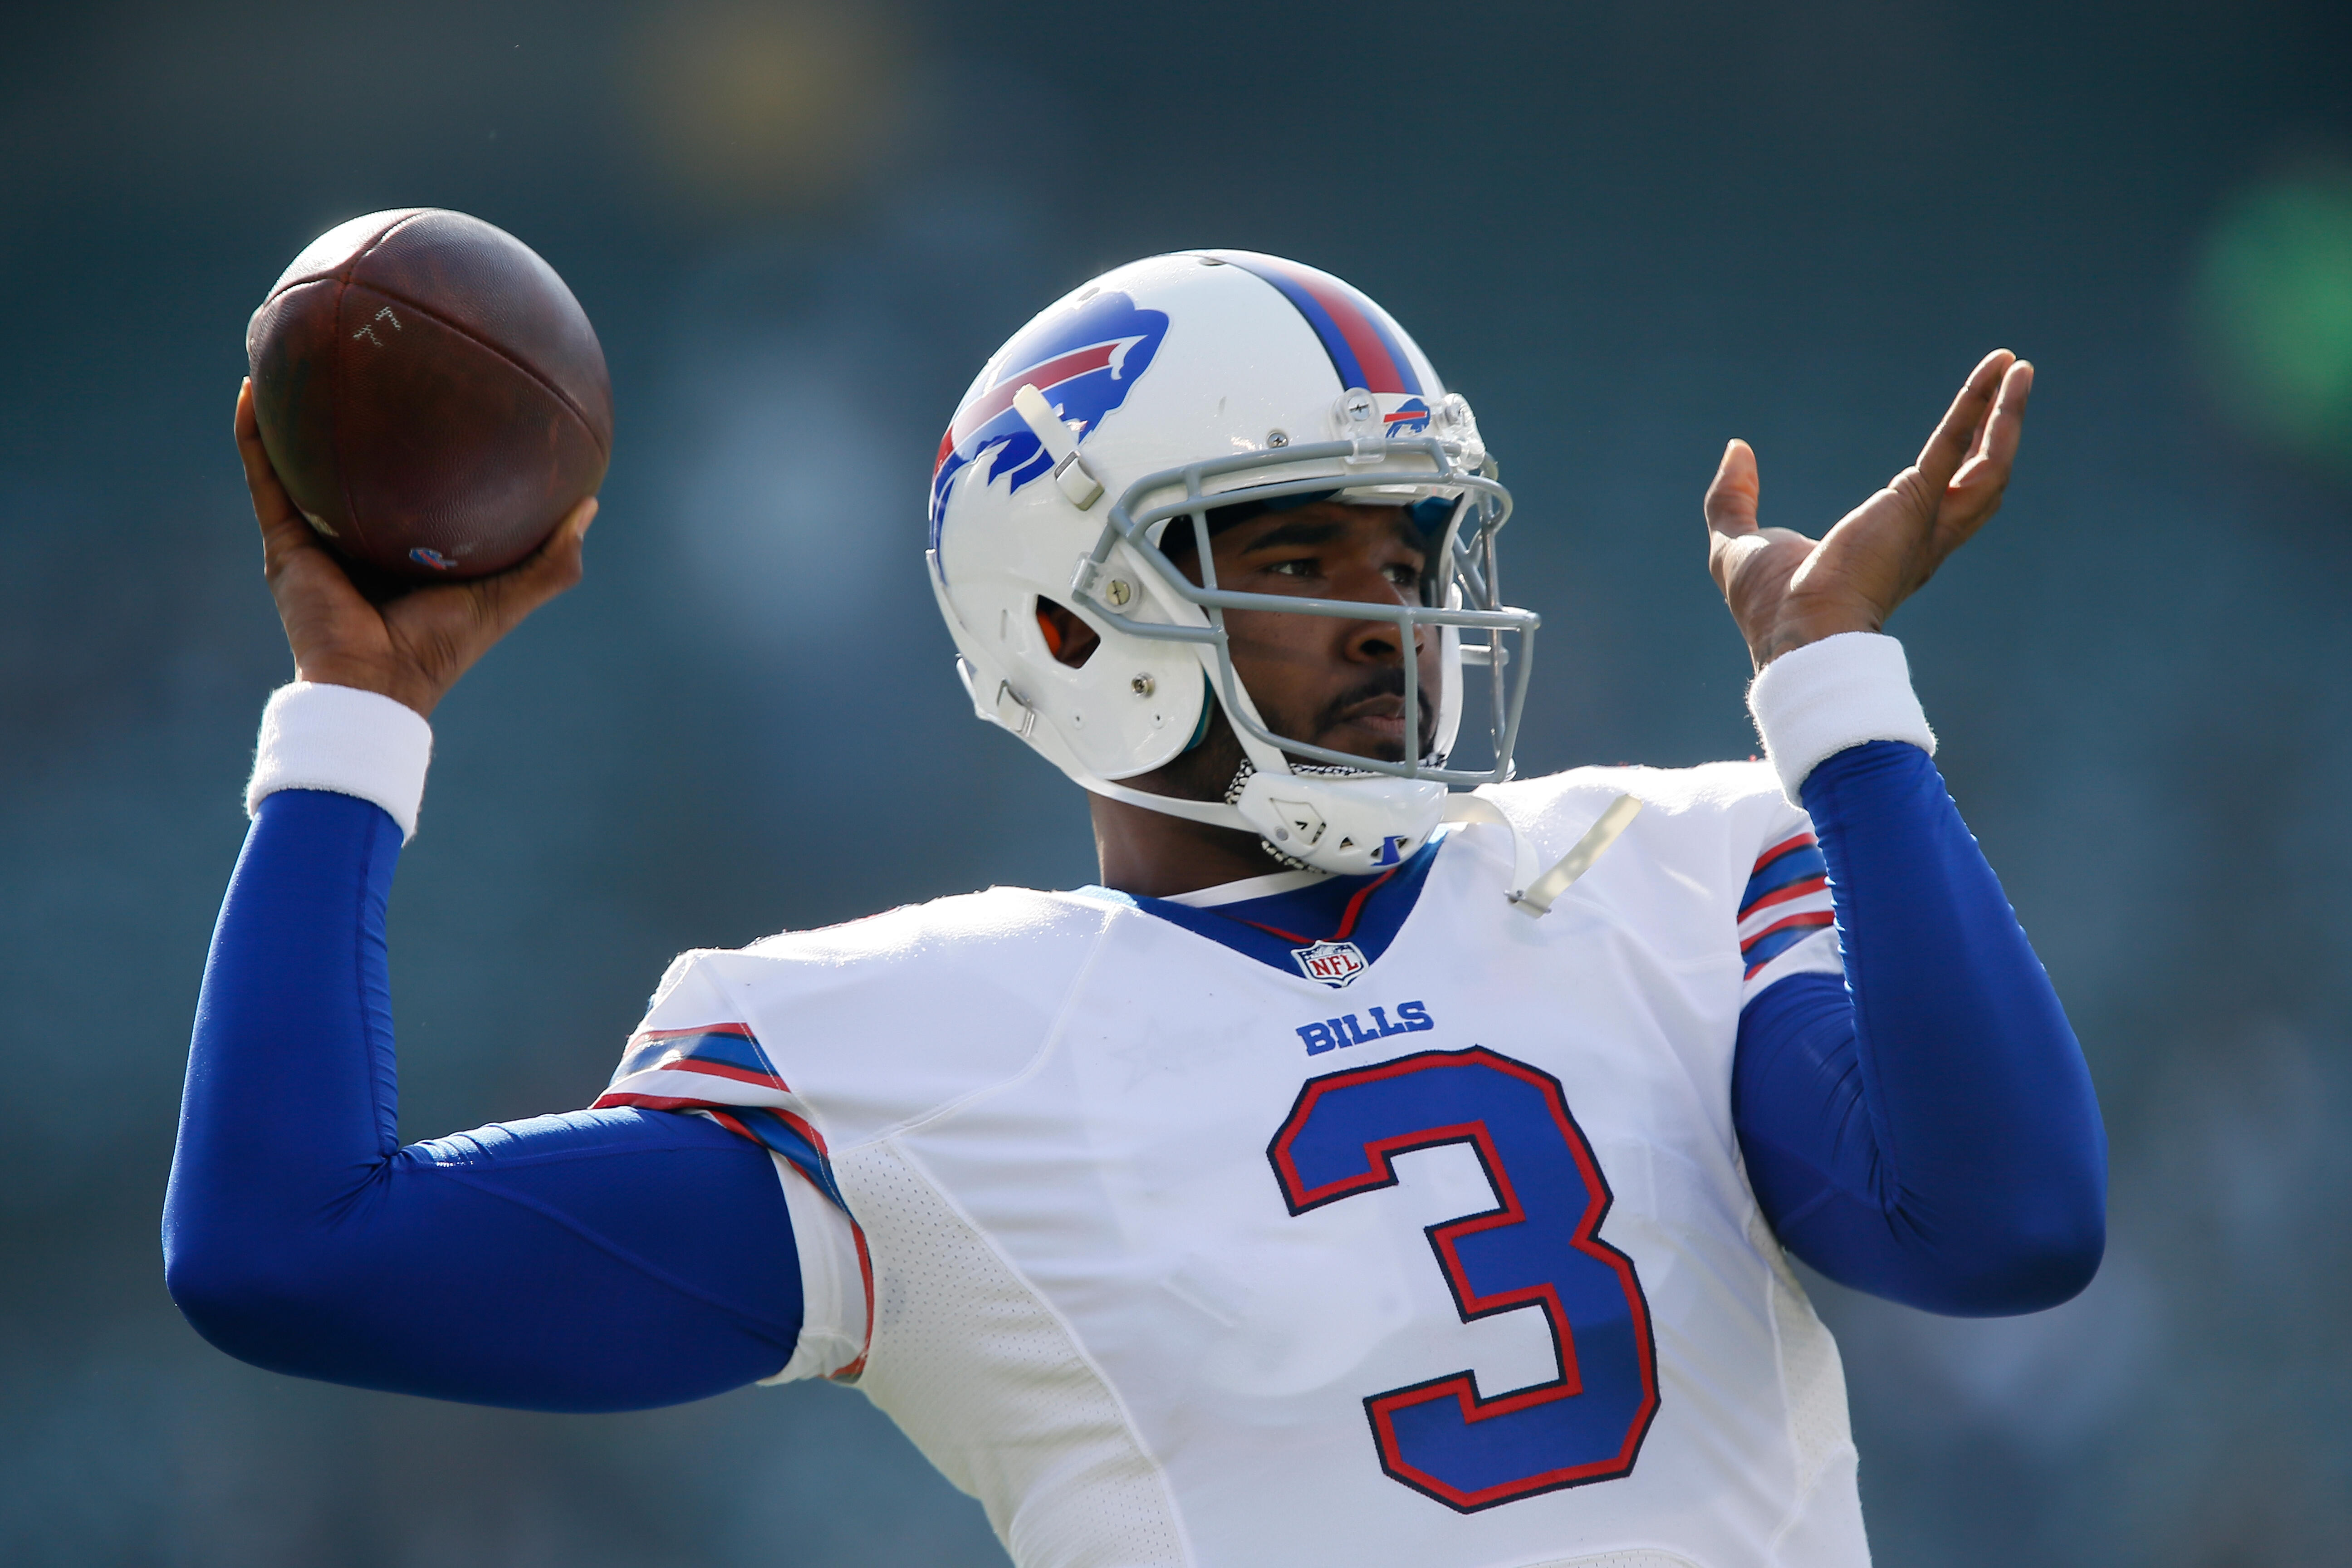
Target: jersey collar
{"x": 1329, "y": 929}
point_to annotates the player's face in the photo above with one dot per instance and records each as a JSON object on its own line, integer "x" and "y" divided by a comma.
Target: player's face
{"x": 1319, "y": 679}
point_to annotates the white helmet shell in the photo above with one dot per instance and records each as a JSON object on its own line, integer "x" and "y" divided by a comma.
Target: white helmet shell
{"x": 1154, "y": 392}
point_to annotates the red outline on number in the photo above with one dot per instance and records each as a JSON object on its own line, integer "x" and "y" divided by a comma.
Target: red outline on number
{"x": 1445, "y": 1240}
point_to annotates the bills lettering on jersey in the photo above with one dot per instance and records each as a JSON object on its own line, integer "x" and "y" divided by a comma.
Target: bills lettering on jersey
{"x": 1331, "y": 1034}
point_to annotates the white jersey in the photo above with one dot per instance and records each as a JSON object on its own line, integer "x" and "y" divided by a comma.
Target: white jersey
{"x": 1171, "y": 1257}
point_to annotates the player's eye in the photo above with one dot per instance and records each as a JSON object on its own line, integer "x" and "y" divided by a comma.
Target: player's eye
{"x": 1403, "y": 573}
{"x": 1303, "y": 566}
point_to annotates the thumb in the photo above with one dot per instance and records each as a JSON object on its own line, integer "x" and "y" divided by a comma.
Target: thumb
{"x": 1730, "y": 504}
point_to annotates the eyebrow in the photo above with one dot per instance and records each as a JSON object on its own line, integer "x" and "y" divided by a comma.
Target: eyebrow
{"x": 1314, "y": 531}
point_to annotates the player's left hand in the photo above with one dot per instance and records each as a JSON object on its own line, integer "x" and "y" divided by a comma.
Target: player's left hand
{"x": 1786, "y": 590}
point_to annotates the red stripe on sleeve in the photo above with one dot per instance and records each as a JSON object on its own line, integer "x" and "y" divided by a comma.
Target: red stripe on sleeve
{"x": 1810, "y": 918}
{"x": 1802, "y": 841}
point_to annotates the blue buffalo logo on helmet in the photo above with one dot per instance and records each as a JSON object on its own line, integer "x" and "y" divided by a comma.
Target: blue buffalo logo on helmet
{"x": 1410, "y": 418}
{"x": 1084, "y": 364}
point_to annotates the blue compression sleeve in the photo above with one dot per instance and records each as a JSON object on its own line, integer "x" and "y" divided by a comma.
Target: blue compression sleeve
{"x": 600, "y": 1261}
{"x": 1925, "y": 1128}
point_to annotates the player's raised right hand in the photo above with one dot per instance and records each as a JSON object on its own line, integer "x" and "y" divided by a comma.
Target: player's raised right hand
{"x": 412, "y": 648}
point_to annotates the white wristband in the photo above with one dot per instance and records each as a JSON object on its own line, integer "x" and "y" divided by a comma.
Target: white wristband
{"x": 342, "y": 739}
{"x": 1812, "y": 702}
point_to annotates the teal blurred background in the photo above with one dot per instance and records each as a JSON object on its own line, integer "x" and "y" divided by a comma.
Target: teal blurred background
{"x": 1626, "y": 231}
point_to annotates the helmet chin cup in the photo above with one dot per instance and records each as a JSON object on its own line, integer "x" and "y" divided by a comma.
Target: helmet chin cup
{"x": 1345, "y": 825}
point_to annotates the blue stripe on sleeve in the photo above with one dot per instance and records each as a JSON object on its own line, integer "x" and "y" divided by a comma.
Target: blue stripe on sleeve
{"x": 725, "y": 1046}
{"x": 1762, "y": 950}
{"x": 1783, "y": 870}
{"x": 779, "y": 1135}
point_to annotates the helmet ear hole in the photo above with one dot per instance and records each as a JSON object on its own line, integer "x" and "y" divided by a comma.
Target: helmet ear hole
{"x": 1067, "y": 638}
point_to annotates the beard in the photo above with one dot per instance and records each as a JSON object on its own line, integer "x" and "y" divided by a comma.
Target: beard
{"x": 1210, "y": 770}
{"x": 1379, "y": 684}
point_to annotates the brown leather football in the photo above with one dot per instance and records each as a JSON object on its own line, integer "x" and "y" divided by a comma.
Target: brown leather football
{"x": 431, "y": 394}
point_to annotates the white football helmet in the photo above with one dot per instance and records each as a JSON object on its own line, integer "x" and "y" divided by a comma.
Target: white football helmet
{"x": 1142, "y": 400}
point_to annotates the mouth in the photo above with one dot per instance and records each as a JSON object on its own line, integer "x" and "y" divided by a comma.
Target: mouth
{"x": 1383, "y": 717}
{"x": 1369, "y": 722}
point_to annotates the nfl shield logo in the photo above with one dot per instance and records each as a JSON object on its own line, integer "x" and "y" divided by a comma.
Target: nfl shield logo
{"x": 1333, "y": 962}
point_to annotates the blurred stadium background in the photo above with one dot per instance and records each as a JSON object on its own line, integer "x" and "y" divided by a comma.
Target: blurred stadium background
{"x": 1627, "y": 231}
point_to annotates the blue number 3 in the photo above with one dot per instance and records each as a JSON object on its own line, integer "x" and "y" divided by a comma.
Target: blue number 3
{"x": 1538, "y": 1248}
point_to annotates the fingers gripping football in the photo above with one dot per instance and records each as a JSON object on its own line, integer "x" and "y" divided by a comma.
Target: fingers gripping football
{"x": 1786, "y": 590}
{"x": 411, "y": 648}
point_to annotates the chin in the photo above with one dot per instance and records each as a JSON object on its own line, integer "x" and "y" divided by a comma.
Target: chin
{"x": 1372, "y": 748}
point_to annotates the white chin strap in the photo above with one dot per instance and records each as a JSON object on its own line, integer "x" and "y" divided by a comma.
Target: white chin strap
{"x": 1348, "y": 825}
{"x": 1336, "y": 825}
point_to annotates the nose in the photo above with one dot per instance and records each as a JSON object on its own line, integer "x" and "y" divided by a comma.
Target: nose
{"x": 1377, "y": 642}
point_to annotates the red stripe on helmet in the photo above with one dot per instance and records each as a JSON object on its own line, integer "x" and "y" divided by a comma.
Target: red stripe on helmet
{"x": 1382, "y": 372}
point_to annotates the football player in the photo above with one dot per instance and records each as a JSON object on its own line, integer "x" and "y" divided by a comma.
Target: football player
{"x": 1390, "y": 1163}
